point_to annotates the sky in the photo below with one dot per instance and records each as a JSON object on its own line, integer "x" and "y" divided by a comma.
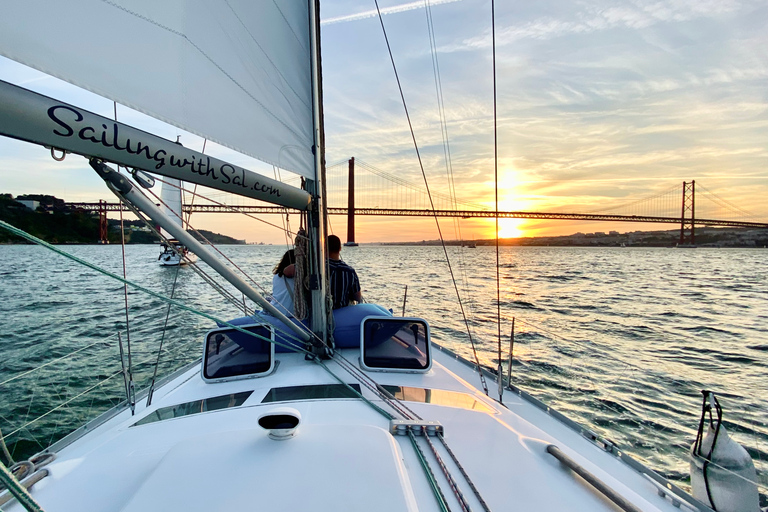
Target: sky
{"x": 599, "y": 103}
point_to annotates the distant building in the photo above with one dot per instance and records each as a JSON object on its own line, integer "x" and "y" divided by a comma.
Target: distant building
{"x": 600, "y": 233}
{"x": 614, "y": 233}
{"x": 32, "y": 205}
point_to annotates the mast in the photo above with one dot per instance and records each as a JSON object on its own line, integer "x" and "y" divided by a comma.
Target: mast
{"x": 318, "y": 214}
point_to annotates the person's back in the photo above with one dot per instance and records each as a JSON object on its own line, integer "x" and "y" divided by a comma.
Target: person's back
{"x": 343, "y": 280}
{"x": 283, "y": 283}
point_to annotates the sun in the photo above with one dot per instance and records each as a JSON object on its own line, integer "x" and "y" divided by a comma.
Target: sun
{"x": 510, "y": 228}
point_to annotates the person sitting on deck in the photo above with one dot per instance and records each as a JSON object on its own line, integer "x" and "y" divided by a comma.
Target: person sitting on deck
{"x": 345, "y": 286}
{"x": 283, "y": 283}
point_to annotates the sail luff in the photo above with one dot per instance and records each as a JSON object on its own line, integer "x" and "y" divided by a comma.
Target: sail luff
{"x": 35, "y": 118}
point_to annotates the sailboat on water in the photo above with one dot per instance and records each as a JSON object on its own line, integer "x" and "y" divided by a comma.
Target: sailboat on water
{"x": 350, "y": 409}
{"x": 173, "y": 253}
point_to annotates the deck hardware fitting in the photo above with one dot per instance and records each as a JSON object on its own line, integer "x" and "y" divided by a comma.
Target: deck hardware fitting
{"x": 418, "y": 427}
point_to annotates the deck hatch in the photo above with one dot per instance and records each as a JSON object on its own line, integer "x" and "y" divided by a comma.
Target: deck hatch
{"x": 437, "y": 397}
{"x": 315, "y": 392}
{"x": 395, "y": 344}
{"x": 230, "y": 354}
{"x": 186, "y": 409}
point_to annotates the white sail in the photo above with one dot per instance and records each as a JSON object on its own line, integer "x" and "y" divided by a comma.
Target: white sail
{"x": 234, "y": 71}
{"x": 170, "y": 194}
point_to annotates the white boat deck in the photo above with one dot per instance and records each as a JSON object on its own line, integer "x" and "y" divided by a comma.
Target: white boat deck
{"x": 342, "y": 457}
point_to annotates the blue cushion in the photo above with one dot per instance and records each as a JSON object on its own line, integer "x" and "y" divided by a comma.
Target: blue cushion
{"x": 346, "y": 334}
{"x": 348, "y": 320}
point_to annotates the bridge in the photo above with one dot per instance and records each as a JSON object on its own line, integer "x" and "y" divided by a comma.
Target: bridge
{"x": 676, "y": 205}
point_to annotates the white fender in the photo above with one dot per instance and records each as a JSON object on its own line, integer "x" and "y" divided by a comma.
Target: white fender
{"x": 729, "y": 474}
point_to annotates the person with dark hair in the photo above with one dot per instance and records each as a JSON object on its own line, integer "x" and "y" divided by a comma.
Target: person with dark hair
{"x": 345, "y": 286}
{"x": 283, "y": 283}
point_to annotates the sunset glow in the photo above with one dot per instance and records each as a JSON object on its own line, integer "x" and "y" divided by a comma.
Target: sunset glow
{"x": 510, "y": 228}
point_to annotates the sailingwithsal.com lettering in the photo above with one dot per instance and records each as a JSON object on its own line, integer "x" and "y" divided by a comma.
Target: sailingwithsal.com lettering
{"x": 71, "y": 124}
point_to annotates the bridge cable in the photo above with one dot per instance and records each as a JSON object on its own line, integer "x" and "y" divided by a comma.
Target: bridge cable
{"x": 723, "y": 203}
{"x": 426, "y": 183}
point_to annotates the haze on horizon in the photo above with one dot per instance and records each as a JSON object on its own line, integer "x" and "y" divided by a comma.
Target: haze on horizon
{"x": 600, "y": 103}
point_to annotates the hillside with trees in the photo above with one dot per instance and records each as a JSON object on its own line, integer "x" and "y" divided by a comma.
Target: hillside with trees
{"x": 55, "y": 222}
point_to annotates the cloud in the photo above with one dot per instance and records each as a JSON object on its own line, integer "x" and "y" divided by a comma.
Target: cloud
{"x": 594, "y": 18}
{"x": 388, "y": 10}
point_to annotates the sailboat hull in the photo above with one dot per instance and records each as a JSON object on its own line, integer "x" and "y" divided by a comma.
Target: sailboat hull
{"x": 197, "y": 448}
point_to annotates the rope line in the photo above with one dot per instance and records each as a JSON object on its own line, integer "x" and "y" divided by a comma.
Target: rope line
{"x": 430, "y": 475}
{"x": 463, "y": 472}
{"x": 451, "y": 482}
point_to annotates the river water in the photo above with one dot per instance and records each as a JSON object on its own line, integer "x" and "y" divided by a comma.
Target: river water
{"x": 621, "y": 340}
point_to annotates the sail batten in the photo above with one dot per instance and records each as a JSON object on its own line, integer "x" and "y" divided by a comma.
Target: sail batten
{"x": 234, "y": 71}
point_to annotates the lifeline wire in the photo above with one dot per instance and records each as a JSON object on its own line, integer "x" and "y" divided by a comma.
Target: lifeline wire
{"x": 431, "y": 202}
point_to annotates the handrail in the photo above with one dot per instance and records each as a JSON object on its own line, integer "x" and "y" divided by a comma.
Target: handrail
{"x": 591, "y": 479}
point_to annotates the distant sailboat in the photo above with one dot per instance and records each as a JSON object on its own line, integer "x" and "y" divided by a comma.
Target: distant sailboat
{"x": 174, "y": 252}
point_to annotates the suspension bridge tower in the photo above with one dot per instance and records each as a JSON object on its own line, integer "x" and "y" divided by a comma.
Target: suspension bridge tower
{"x": 103, "y": 225}
{"x": 351, "y": 206}
{"x": 688, "y": 215}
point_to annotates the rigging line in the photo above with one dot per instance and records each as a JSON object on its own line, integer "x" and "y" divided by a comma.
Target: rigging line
{"x": 430, "y": 475}
{"x": 233, "y": 208}
{"x": 162, "y": 339}
{"x": 374, "y": 387}
{"x": 200, "y": 272}
{"x": 88, "y": 390}
{"x": 411, "y": 186}
{"x": 34, "y": 239}
{"x": 125, "y": 295}
{"x": 7, "y": 454}
{"x": 286, "y": 226}
{"x": 451, "y": 482}
{"x": 496, "y": 188}
{"x": 208, "y": 241}
{"x": 437, "y": 222}
{"x": 446, "y": 145}
{"x": 194, "y": 191}
{"x": 441, "y": 106}
{"x": 353, "y": 390}
{"x": 463, "y": 472}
